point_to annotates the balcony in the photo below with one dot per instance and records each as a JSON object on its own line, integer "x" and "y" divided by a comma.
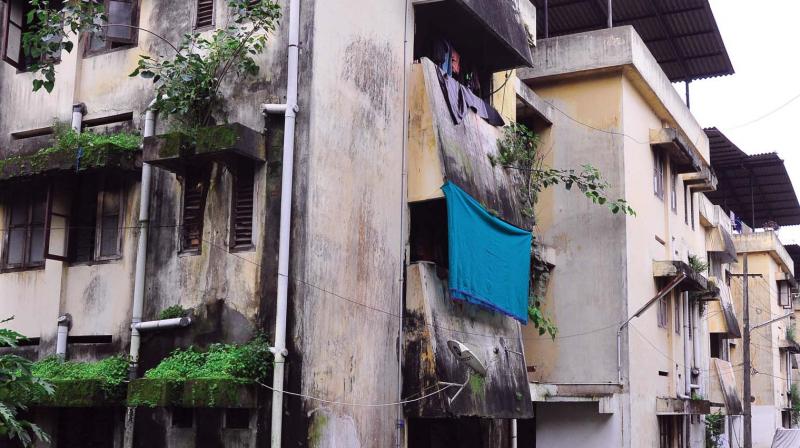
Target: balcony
{"x": 433, "y": 319}
{"x": 693, "y": 282}
{"x": 722, "y": 315}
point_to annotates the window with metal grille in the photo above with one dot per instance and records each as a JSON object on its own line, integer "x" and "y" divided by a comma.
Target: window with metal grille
{"x": 205, "y": 14}
{"x": 242, "y": 208}
{"x": 194, "y": 199}
{"x": 24, "y": 244}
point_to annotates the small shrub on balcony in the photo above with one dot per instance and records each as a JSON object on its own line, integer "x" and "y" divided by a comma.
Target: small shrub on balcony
{"x": 697, "y": 264}
{"x": 71, "y": 377}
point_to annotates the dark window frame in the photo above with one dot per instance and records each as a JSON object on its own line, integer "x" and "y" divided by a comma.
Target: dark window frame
{"x": 115, "y": 44}
{"x": 104, "y": 189}
{"x": 658, "y": 174}
{"x": 28, "y": 196}
{"x": 673, "y": 192}
{"x": 676, "y": 312}
{"x": 98, "y": 187}
{"x": 24, "y": 63}
{"x": 662, "y": 313}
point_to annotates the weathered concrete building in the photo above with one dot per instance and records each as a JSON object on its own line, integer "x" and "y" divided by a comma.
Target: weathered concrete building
{"x": 630, "y": 365}
{"x": 365, "y": 311}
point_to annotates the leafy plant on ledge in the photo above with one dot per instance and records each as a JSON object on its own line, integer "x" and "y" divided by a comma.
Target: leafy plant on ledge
{"x": 87, "y": 149}
{"x": 715, "y": 427}
{"x": 111, "y": 372}
{"x": 519, "y": 150}
{"x": 174, "y": 311}
{"x": 697, "y": 264}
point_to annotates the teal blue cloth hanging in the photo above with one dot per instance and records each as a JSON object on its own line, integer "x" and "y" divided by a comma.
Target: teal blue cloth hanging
{"x": 490, "y": 259}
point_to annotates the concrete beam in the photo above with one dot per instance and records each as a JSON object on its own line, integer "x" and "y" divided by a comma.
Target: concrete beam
{"x": 764, "y": 242}
{"x": 541, "y": 107}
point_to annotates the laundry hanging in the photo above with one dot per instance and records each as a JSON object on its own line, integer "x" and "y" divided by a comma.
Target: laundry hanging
{"x": 490, "y": 259}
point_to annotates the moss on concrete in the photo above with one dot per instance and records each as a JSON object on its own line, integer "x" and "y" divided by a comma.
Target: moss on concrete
{"x": 477, "y": 384}
{"x": 215, "y": 138}
{"x": 205, "y": 393}
{"x": 318, "y": 423}
{"x": 154, "y": 392}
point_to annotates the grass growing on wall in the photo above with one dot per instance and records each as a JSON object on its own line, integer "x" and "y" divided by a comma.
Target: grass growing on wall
{"x": 86, "y": 148}
{"x": 174, "y": 311}
{"x": 109, "y": 373}
{"x": 794, "y": 396}
{"x": 241, "y": 362}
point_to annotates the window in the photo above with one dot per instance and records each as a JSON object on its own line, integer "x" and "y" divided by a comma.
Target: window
{"x": 96, "y": 220}
{"x": 242, "y": 208}
{"x": 665, "y": 431}
{"x": 676, "y": 314}
{"x": 673, "y": 192}
{"x": 662, "y": 312}
{"x": 120, "y": 31}
{"x": 204, "y": 14}
{"x": 195, "y": 188}
{"x": 658, "y": 174}
{"x": 24, "y": 245}
{"x": 13, "y": 28}
{"x": 784, "y": 294}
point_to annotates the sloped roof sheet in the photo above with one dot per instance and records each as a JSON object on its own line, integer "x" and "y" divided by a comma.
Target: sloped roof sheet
{"x": 770, "y": 197}
{"x": 681, "y": 34}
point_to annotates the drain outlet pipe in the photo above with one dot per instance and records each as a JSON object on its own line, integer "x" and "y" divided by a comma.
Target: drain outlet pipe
{"x": 163, "y": 324}
{"x": 64, "y": 324}
{"x": 141, "y": 249}
{"x": 78, "y": 111}
{"x": 289, "y": 110}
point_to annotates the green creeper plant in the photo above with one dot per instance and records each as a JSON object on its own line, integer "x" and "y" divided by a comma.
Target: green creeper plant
{"x": 187, "y": 83}
{"x": 173, "y": 311}
{"x": 794, "y": 397}
{"x": 17, "y": 385}
{"x": 112, "y": 372}
{"x": 715, "y": 426}
{"x": 518, "y": 149}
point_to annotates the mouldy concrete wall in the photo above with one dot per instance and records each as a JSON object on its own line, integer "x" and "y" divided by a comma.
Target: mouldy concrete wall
{"x": 347, "y": 235}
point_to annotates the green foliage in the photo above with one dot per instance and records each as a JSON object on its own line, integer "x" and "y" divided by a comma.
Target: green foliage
{"x": 243, "y": 362}
{"x": 696, "y": 396}
{"x": 715, "y": 426}
{"x": 794, "y": 396}
{"x": 790, "y": 333}
{"x": 519, "y": 150}
{"x": 543, "y": 324}
{"x": 174, "y": 311}
{"x": 49, "y": 32}
{"x": 540, "y": 275}
{"x": 111, "y": 372}
{"x": 187, "y": 84}
{"x": 17, "y": 385}
{"x": 697, "y": 264}
{"x": 88, "y": 148}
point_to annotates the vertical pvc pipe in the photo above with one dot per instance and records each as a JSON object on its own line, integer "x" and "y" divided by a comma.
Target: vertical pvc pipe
{"x": 285, "y": 223}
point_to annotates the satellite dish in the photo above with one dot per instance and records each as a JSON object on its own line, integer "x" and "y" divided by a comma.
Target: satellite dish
{"x": 465, "y": 355}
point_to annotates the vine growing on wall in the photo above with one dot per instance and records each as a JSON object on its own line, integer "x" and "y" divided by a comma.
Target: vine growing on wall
{"x": 519, "y": 151}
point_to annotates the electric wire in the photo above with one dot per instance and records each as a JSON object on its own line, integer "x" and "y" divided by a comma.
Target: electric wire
{"x": 366, "y": 405}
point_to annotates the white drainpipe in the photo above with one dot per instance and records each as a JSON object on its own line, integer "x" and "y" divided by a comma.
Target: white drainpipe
{"x": 141, "y": 249}
{"x": 163, "y": 324}
{"x": 77, "y": 116}
{"x": 289, "y": 110}
{"x": 64, "y": 324}
{"x": 687, "y": 369}
{"x": 513, "y": 433}
{"x": 696, "y": 345}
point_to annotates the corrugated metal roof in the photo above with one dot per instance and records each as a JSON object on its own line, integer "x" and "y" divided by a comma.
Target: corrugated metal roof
{"x": 682, "y": 34}
{"x": 770, "y": 197}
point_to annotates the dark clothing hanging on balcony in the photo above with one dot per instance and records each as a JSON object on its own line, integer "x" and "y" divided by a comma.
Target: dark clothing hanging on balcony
{"x": 460, "y": 99}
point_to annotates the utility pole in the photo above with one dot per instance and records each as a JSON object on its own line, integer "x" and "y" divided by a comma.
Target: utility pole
{"x": 748, "y": 430}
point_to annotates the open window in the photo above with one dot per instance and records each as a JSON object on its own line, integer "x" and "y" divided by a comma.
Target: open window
{"x": 95, "y": 220}
{"x": 428, "y": 236}
{"x": 25, "y": 220}
{"x": 242, "y": 203}
{"x": 120, "y": 30}
{"x": 13, "y": 28}
{"x": 195, "y": 190}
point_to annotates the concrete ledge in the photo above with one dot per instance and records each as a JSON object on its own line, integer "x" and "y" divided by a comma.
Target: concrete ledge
{"x": 677, "y": 406}
{"x": 605, "y": 395}
{"x": 540, "y": 107}
{"x": 671, "y": 268}
{"x": 764, "y": 242}
{"x": 618, "y": 48}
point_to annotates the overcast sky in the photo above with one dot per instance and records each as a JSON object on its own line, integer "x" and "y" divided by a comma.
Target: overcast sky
{"x": 763, "y": 42}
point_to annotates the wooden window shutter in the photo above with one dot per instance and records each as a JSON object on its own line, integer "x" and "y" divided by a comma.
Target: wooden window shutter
{"x": 205, "y": 13}
{"x": 13, "y": 28}
{"x": 242, "y": 212}
{"x": 121, "y": 13}
{"x": 84, "y": 214}
{"x": 194, "y": 198}
{"x": 57, "y": 222}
